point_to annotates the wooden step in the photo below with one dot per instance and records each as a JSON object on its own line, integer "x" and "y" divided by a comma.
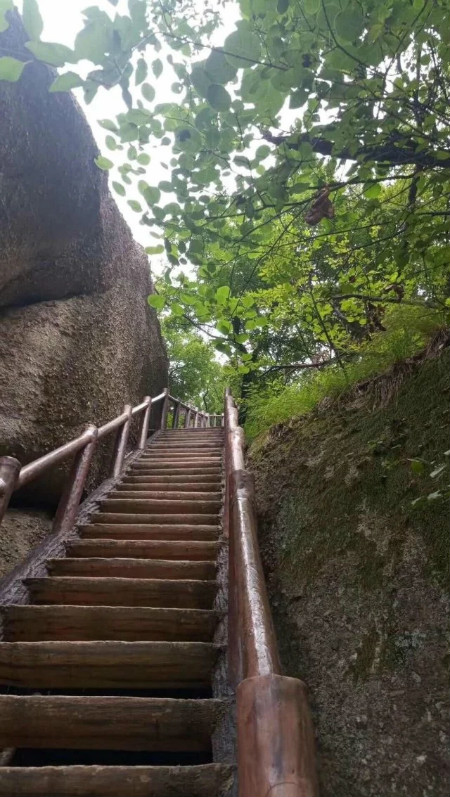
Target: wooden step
{"x": 205, "y": 780}
{"x": 166, "y": 495}
{"x": 197, "y": 482}
{"x": 164, "y": 454}
{"x": 159, "y": 491}
{"x": 158, "y": 520}
{"x": 107, "y": 723}
{"x": 152, "y": 506}
{"x": 132, "y": 568}
{"x": 175, "y": 468}
{"x": 80, "y": 591}
{"x": 90, "y": 623}
{"x": 192, "y": 550}
{"x": 106, "y": 665}
{"x": 140, "y": 531}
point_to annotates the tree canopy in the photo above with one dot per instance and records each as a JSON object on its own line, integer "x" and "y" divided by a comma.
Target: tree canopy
{"x": 308, "y": 165}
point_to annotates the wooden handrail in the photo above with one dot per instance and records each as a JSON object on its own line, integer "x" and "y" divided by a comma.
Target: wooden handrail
{"x": 13, "y": 476}
{"x": 274, "y": 729}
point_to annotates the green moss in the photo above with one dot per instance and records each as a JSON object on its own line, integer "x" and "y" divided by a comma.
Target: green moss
{"x": 340, "y": 482}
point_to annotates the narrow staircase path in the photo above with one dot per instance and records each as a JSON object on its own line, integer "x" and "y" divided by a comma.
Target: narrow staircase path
{"x": 105, "y": 677}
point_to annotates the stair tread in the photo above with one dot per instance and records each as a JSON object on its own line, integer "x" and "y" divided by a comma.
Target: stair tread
{"x": 138, "y": 623}
{"x": 205, "y": 780}
{"x": 190, "y": 550}
{"x": 107, "y": 723}
{"x": 82, "y": 590}
{"x": 132, "y": 568}
{"x": 150, "y": 531}
{"x": 165, "y": 495}
{"x": 158, "y": 505}
{"x": 106, "y": 664}
{"x": 127, "y": 518}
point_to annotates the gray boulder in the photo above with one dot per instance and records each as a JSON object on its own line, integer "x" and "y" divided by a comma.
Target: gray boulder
{"x": 77, "y": 337}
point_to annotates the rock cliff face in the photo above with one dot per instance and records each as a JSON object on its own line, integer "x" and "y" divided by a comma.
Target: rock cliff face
{"x": 77, "y": 337}
{"x": 358, "y": 578}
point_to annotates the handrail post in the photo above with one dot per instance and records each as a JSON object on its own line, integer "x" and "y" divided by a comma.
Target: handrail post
{"x": 143, "y": 434}
{"x": 9, "y": 474}
{"x": 196, "y": 413}
{"x": 120, "y": 448}
{"x": 176, "y": 415}
{"x": 73, "y": 490}
{"x": 187, "y": 419}
{"x": 165, "y": 408}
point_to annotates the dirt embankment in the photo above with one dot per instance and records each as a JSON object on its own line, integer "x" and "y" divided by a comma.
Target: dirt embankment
{"x": 357, "y": 577}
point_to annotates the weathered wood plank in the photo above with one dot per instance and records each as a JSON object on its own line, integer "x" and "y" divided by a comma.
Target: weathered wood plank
{"x": 150, "y": 531}
{"x": 89, "y": 623}
{"x": 107, "y": 723}
{"x": 106, "y": 665}
{"x": 132, "y": 568}
{"x": 192, "y": 550}
{"x": 150, "y": 506}
{"x": 116, "y": 781}
{"x": 155, "y": 520}
{"x": 122, "y": 592}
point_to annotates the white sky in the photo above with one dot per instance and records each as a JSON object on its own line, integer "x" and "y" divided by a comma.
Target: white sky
{"x": 62, "y": 21}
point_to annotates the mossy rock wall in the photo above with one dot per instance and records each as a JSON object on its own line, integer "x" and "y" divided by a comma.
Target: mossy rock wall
{"x": 357, "y": 579}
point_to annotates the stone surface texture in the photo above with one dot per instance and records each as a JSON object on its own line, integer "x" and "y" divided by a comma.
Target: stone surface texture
{"x": 77, "y": 337}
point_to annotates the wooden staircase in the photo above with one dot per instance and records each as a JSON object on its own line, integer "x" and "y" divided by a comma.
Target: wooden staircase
{"x": 106, "y": 675}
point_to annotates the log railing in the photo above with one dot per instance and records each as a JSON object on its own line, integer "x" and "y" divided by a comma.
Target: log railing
{"x": 13, "y": 476}
{"x": 274, "y": 731}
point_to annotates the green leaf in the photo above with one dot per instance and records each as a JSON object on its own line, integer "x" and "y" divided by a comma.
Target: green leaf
{"x": 218, "y": 68}
{"x": 143, "y": 158}
{"x": 157, "y": 67}
{"x": 218, "y": 97}
{"x": 119, "y": 188}
{"x": 349, "y": 23}
{"x": 50, "y": 53}
{"x": 32, "y": 20}
{"x": 95, "y": 40}
{"x": 141, "y": 71}
{"x": 312, "y": 6}
{"x": 111, "y": 142}
{"x": 373, "y": 190}
{"x": 148, "y": 92}
{"x": 151, "y": 195}
{"x": 417, "y": 466}
{"x": 242, "y": 48}
{"x": 223, "y": 294}
{"x": 262, "y": 152}
{"x": 134, "y": 205}
{"x": 11, "y": 69}
{"x": 103, "y": 163}
{"x": 155, "y": 300}
{"x": 66, "y": 82}
{"x": 108, "y": 124}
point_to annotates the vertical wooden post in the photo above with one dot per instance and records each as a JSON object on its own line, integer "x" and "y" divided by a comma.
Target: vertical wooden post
{"x": 165, "y": 408}
{"x": 121, "y": 443}
{"x": 143, "y": 434}
{"x": 70, "y": 500}
{"x": 195, "y": 418}
{"x": 187, "y": 420}
{"x": 9, "y": 474}
{"x": 176, "y": 415}
{"x": 275, "y": 738}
